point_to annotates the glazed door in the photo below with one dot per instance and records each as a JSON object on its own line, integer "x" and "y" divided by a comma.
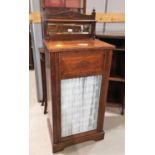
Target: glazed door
{"x": 79, "y": 104}
{"x": 81, "y": 81}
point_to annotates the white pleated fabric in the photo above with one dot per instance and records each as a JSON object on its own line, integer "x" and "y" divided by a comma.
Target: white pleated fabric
{"x": 79, "y": 104}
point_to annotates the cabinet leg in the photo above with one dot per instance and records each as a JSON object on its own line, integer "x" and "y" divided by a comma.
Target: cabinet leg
{"x": 45, "y": 108}
{"x": 42, "y": 103}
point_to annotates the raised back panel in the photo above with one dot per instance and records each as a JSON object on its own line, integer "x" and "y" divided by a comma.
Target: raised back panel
{"x": 68, "y": 25}
{"x": 60, "y": 12}
{"x": 69, "y": 14}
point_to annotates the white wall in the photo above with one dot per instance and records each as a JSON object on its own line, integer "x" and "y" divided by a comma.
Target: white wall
{"x": 37, "y": 43}
{"x": 116, "y": 6}
{"x": 112, "y": 6}
{"x": 98, "y": 5}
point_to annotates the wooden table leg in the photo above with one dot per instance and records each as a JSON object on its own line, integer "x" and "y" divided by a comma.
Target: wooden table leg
{"x": 43, "y": 72}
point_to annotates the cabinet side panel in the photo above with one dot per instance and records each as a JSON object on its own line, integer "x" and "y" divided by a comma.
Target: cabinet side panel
{"x": 52, "y": 77}
{"x": 48, "y": 84}
{"x": 55, "y": 88}
{"x": 104, "y": 90}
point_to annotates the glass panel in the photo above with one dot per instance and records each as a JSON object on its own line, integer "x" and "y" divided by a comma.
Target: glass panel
{"x": 62, "y": 3}
{"x": 69, "y": 29}
{"x": 79, "y": 104}
{"x": 54, "y": 3}
{"x": 73, "y": 3}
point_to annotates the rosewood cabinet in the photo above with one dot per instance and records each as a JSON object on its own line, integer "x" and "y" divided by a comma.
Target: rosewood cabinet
{"x": 77, "y": 75}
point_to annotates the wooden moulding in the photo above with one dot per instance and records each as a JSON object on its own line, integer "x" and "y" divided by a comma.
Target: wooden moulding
{"x": 35, "y": 17}
{"x": 110, "y": 17}
{"x": 91, "y": 135}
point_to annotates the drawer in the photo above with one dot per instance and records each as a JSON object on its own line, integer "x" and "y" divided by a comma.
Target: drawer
{"x": 81, "y": 64}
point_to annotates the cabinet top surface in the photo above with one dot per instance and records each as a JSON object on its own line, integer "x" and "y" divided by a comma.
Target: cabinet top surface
{"x": 56, "y": 46}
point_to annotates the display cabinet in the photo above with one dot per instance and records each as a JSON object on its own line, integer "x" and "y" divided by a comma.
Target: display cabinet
{"x": 77, "y": 75}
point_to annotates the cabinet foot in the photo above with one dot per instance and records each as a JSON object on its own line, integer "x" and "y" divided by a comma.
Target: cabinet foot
{"x": 45, "y": 108}
{"x": 42, "y": 103}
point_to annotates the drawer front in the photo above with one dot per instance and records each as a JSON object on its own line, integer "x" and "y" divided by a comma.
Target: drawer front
{"x": 81, "y": 64}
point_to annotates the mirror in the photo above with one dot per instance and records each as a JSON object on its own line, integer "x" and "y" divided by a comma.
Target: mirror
{"x": 55, "y": 28}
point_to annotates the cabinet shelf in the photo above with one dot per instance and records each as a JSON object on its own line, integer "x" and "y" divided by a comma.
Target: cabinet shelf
{"x": 120, "y": 49}
{"x": 118, "y": 79}
{"x": 113, "y": 104}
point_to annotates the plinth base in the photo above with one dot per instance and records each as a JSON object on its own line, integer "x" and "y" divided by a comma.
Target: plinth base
{"x": 71, "y": 141}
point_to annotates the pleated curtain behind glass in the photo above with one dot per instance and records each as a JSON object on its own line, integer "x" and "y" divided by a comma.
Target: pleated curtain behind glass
{"x": 79, "y": 104}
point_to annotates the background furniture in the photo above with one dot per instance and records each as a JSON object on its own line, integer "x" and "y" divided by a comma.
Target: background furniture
{"x": 43, "y": 73}
{"x": 31, "y": 62}
{"x": 114, "y": 17}
{"x": 116, "y": 92}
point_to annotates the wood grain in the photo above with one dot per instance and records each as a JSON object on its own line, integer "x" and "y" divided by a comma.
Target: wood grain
{"x": 59, "y": 46}
{"x": 81, "y": 64}
{"x": 35, "y": 17}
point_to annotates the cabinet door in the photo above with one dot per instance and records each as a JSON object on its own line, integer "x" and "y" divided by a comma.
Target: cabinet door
{"x": 79, "y": 104}
{"x": 81, "y": 79}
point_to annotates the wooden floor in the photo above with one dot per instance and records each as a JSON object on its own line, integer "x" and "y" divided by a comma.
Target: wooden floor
{"x": 113, "y": 144}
